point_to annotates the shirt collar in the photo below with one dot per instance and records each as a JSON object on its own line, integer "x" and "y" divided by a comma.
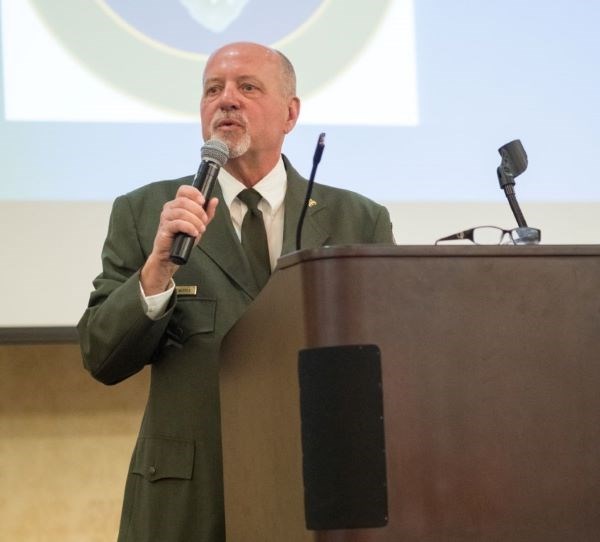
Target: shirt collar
{"x": 271, "y": 187}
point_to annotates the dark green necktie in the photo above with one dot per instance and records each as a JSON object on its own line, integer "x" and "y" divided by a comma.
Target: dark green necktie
{"x": 254, "y": 238}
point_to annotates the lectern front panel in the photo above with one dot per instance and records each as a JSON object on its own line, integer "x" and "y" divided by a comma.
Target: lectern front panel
{"x": 490, "y": 363}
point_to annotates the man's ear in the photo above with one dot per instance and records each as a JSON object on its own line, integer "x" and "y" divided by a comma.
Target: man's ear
{"x": 293, "y": 112}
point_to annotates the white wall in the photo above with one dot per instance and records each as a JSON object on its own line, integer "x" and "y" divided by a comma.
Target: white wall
{"x": 51, "y": 251}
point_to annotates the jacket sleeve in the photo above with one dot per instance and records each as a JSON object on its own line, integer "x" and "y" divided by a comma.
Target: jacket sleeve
{"x": 382, "y": 231}
{"x": 116, "y": 337}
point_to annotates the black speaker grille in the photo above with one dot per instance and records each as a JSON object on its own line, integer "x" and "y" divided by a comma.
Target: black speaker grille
{"x": 344, "y": 466}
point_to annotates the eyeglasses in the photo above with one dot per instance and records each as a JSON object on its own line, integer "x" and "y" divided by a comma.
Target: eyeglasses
{"x": 492, "y": 235}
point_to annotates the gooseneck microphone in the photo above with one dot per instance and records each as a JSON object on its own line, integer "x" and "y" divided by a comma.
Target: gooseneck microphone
{"x": 316, "y": 159}
{"x": 214, "y": 154}
{"x": 514, "y": 162}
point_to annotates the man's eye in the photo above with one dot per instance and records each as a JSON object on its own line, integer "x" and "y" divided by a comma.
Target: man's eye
{"x": 211, "y": 91}
{"x": 247, "y": 87}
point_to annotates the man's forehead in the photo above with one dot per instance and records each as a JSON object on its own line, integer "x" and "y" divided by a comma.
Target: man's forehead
{"x": 215, "y": 77}
{"x": 243, "y": 49}
{"x": 240, "y": 65}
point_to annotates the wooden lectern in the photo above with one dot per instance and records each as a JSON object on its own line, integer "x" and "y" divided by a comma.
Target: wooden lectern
{"x": 490, "y": 364}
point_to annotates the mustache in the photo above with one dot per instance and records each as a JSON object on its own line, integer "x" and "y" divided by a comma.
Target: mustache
{"x": 227, "y": 116}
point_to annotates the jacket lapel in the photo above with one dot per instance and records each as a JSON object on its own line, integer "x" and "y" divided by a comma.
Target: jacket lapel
{"x": 221, "y": 244}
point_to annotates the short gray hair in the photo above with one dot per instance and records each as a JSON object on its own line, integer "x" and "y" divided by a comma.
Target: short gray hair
{"x": 288, "y": 73}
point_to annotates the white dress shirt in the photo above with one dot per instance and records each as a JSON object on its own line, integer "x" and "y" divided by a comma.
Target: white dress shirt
{"x": 272, "y": 188}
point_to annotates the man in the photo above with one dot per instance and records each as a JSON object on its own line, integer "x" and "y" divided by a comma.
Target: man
{"x": 136, "y": 316}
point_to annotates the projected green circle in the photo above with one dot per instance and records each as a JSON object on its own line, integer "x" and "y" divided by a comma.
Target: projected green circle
{"x": 320, "y": 47}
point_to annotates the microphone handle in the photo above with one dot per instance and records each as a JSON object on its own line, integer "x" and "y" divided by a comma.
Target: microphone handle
{"x": 204, "y": 181}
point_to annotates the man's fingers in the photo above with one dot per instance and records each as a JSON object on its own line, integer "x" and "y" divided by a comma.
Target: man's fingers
{"x": 189, "y": 192}
{"x": 211, "y": 208}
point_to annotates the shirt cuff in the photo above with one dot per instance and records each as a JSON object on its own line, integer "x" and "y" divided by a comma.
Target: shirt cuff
{"x": 155, "y": 305}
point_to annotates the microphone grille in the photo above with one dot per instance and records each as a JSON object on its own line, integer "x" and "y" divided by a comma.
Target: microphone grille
{"x": 515, "y": 154}
{"x": 215, "y": 151}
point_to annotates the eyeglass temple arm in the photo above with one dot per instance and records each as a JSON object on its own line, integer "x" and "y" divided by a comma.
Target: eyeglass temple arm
{"x": 465, "y": 234}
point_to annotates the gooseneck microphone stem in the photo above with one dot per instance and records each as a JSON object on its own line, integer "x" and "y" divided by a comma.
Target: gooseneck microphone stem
{"x": 311, "y": 181}
{"x": 514, "y": 205}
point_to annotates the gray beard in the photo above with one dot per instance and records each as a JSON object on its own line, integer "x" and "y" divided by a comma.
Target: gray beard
{"x": 238, "y": 147}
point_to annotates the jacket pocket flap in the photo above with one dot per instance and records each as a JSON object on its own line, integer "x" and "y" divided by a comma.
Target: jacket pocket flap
{"x": 192, "y": 316}
{"x": 157, "y": 458}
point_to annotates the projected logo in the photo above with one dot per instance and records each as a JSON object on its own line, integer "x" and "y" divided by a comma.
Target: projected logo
{"x": 200, "y": 26}
{"x": 156, "y": 50}
{"x": 215, "y": 16}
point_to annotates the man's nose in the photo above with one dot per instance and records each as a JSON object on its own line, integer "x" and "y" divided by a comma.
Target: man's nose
{"x": 230, "y": 97}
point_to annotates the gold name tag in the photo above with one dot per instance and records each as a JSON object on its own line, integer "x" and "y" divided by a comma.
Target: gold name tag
{"x": 186, "y": 290}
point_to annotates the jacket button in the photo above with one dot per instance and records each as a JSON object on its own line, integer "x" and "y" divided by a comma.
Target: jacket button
{"x": 152, "y": 470}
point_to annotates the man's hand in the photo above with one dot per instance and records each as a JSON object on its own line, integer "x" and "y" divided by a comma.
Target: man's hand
{"x": 184, "y": 214}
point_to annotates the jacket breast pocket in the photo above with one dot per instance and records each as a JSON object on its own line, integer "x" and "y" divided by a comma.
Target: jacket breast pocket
{"x": 159, "y": 458}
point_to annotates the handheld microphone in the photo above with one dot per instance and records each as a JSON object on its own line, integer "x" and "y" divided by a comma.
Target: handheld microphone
{"x": 311, "y": 181}
{"x": 514, "y": 162}
{"x": 214, "y": 154}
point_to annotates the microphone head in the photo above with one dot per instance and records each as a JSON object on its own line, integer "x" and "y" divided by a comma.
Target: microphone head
{"x": 514, "y": 157}
{"x": 215, "y": 151}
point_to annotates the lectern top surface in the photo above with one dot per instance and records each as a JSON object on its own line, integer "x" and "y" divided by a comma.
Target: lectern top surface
{"x": 403, "y": 251}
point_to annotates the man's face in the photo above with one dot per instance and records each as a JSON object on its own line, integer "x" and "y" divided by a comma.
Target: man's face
{"x": 244, "y": 103}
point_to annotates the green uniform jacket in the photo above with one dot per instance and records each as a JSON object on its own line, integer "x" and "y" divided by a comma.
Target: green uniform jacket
{"x": 174, "y": 487}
